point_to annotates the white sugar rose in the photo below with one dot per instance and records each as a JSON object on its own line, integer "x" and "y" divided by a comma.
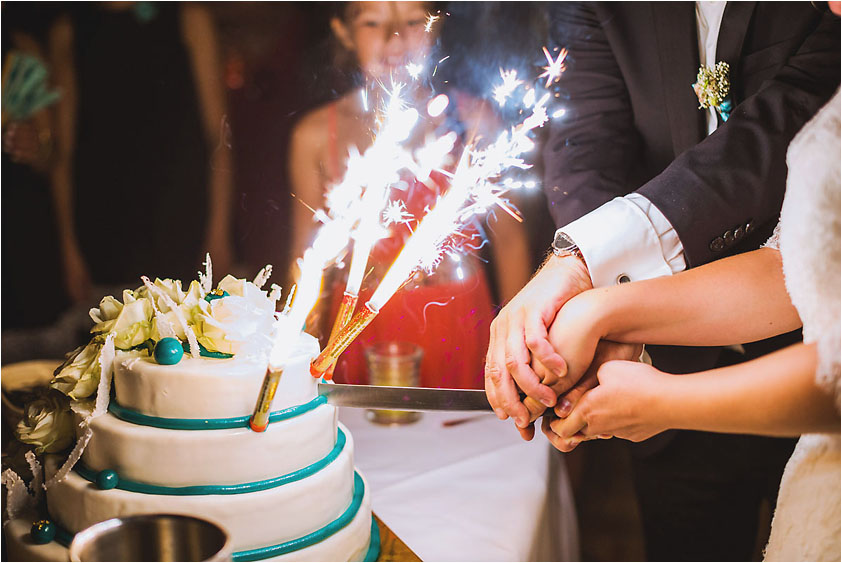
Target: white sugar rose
{"x": 47, "y": 424}
{"x": 130, "y": 321}
{"x": 78, "y": 377}
{"x": 241, "y": 321}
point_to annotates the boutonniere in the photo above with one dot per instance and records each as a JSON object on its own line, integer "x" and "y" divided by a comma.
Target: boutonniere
{"x": 713, "y": 88}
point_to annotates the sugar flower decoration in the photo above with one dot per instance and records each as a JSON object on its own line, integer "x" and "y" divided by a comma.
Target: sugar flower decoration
{"x": 47, "y": 424}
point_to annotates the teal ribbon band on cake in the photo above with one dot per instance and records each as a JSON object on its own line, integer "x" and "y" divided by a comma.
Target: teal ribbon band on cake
{"x": 194, "y": 490}
{"x": 135, "y": 417}
{"x": 312, "y": 538}
{"x": 374, "y": 544}
{"x": 64, "y": 537}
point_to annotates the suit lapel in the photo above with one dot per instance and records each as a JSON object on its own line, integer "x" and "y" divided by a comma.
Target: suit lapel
{"x": 732, "y": 33}
{"x": 678, "y": 51}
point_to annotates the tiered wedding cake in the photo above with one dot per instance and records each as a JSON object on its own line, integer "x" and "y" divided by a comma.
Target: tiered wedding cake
{"x": 175, "y": 439}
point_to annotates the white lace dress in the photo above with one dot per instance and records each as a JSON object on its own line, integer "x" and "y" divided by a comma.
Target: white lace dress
{"x": 806, "y": 526}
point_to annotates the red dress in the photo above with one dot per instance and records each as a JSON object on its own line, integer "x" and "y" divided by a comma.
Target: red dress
{"x": 447, "y": 313}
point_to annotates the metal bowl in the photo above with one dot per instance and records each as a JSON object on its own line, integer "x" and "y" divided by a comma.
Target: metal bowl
{"x": 152, "y": 537}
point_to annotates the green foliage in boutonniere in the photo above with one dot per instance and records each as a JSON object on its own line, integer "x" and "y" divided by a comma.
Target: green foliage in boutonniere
{"x": 713, "y": 87}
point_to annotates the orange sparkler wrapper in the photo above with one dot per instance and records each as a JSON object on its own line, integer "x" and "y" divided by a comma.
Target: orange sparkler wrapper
{"x": 260, "y": 418}
{"x": 343, "y": 317}
{"x": 347, "y": 335}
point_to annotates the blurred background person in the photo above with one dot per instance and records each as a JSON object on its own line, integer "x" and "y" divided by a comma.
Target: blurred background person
{"x": 447, "y": 313}
{"x": 142, "y": 182}
{"x": 30, "y": 261}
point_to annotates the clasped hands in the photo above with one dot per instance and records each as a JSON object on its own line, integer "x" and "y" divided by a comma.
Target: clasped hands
{"x": 548, "y": 343}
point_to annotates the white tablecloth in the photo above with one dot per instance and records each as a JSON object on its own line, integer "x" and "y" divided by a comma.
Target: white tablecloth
{"x": 469, "y": 492}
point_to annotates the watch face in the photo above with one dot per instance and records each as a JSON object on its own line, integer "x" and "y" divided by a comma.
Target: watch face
{"x": 563, "y": 242}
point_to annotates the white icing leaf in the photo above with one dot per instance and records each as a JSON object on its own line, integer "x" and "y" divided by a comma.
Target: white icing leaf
{"x": 74, "y": 456}
{"x": 106, "y": 365}
{"x": 37, "y": 475}
{"x": 165, "y": 327}
{"x": 206, "y": 279}
{"x": 275, "y": 293}
{"x": 17, "y": 497}
{"x": 263, "y": 276}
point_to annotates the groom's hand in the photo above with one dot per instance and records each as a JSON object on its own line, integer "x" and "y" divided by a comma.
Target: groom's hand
{"x": 519, "y": 336}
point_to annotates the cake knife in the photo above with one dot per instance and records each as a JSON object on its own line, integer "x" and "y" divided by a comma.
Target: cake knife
{"x": 404, "y": 398}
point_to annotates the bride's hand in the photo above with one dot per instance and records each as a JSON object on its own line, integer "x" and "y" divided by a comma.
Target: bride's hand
{"x": 574, "y": 333}
{"x": 628, "y": 403}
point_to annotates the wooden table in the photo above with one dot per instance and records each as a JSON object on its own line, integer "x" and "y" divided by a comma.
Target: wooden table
{"x": 391, "y": 546}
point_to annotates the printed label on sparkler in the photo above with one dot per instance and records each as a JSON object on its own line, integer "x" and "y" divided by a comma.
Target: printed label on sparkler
{"x": 347, "y": 335}
{"x": 260, "y": 419}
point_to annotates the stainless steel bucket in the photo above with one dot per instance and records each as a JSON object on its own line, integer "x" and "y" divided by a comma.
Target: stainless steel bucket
{"x": 152, "y": 537}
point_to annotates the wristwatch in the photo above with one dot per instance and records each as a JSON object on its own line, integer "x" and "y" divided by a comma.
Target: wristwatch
{"x": 563, "y": 245}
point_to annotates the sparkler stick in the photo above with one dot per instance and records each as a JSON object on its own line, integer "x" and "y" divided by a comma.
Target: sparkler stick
{"x": 386, "y": 157}
{"x": 331, "y": 238}
{"x": 343, "y": 317}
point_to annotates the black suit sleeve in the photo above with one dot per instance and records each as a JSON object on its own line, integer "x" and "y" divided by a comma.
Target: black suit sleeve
{"x": 592, "y": 152}
{"x": 736, "y": 176}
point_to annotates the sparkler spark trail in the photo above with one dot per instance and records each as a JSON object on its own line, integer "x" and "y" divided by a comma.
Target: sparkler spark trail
{"x": 475, "y": 186}
{"x": 555, "y": 67}
{"x": 431, "y": 19}
{"x": 510, "y": 83}
{"x": 437, "y": 105}
{"x": 396, "y": 213}
{"x": 378, "y": 169}
{"x": 414, "y": 70}
{"x": 472, "y": 190}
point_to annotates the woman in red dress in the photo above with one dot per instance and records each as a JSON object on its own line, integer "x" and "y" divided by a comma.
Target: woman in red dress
{"x": 447, "y": 313}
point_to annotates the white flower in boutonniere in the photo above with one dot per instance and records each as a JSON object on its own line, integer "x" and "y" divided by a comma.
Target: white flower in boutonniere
{"x": 236, "y": 317}
{"x": 47, "y": 423}
{"x": 713, "y": 88}
{"x": 130, "y": 321}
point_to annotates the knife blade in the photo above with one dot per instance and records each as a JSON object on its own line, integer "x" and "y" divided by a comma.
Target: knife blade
{"x": 404, "y": 398}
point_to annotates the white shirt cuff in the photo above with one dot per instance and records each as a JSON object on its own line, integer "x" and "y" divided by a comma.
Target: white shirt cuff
{"x": 627, "y": 239}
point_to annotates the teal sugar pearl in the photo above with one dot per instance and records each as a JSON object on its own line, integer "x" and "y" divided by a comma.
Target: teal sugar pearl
{"x": 168, "y": 351}
{"x": 216, "y": 294}
{"x": 107, "y": 479}
{"x": 42, "y": 531}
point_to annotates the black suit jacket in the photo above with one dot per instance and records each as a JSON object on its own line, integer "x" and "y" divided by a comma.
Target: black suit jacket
{"x": 633, "y": 124}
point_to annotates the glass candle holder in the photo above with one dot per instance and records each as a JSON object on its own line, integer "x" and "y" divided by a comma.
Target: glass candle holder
{"x": 394, "y": 364}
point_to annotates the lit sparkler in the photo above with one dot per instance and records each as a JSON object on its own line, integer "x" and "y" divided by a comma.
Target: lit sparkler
{"x": 472, "y": 190}
{"x": 510, "y": 83}
{"x": 396, "y": 214}
{"x": 414, "y": 70}
{"x": 331, "y": 238}
{"x": 378, "y": 169}
{"x": 431, "y": 19}
{"x": 555, "y": 67}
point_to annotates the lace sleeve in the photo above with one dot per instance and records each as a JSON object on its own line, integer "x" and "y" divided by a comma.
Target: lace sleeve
{"x": 774, "y": 241}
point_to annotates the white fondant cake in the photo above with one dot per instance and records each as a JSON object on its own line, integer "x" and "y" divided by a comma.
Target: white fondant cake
{"x": 177, "y": 438}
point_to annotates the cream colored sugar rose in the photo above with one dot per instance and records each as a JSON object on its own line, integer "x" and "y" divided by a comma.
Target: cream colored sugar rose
{"x": 130, "y": 321}
{"x": 47, "y": 424}
{"x": 78, "y": 377}
{"x": 242, "y": 320}
{"x": 187, "y": 301}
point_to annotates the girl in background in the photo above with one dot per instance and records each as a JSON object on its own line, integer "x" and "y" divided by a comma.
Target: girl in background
{"x": 448, "y": 313}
